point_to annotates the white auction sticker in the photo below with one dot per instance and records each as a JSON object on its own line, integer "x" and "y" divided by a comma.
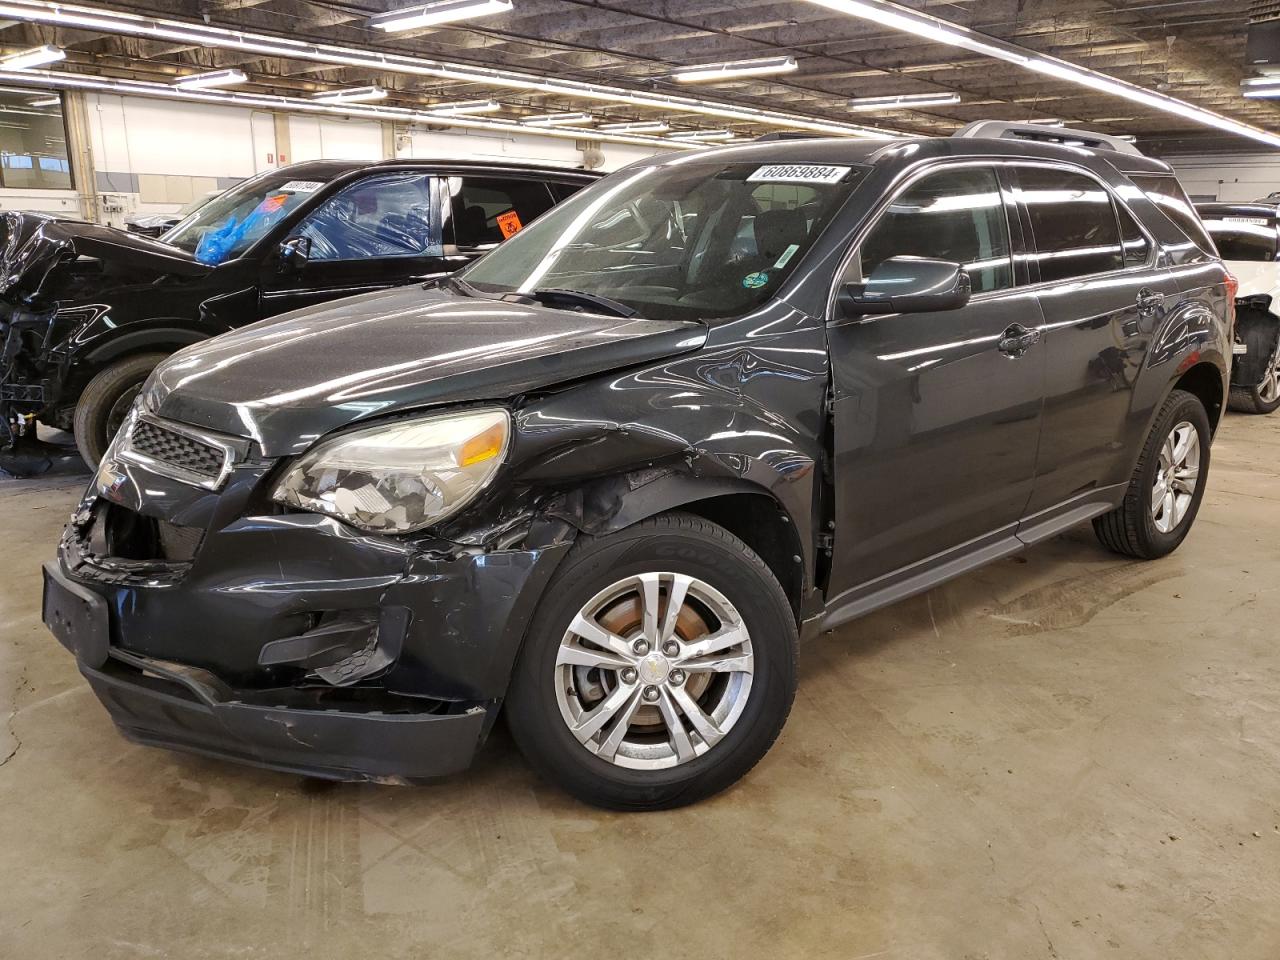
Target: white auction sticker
{"x": 302, "y": 186}
{"x": 799, "y": 173}
{"x": 1261, "y": 221}
{"x": 787, "y": 254}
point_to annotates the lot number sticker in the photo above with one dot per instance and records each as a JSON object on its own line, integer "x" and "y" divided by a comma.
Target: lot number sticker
{"x": 799, "y": 173}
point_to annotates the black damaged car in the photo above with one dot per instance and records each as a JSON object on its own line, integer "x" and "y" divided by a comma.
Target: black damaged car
{"x": 606, "y": 478}
{"x": 87, "y": 311}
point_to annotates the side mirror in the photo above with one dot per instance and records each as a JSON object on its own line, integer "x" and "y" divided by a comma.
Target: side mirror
{"x": 295, "y": 252}
{"x": 907, "y": 285}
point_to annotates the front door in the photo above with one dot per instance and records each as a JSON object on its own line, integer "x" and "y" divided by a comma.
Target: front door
{"x": 379, "y": 232}
{"x": 936, "y": 415}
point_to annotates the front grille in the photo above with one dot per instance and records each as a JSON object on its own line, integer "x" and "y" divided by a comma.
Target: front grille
{"x": 176, "y": 449}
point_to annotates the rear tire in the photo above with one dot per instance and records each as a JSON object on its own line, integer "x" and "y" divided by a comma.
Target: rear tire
{"x": 105, "y": 401}
{"x": 564, "y": 681}
{"x": 1250, "y": 400}
{"x": 1265, "y": 397}
{"x": 1167, "y": 484}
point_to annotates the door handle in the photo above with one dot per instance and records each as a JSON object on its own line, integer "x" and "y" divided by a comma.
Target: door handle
{"x": 1149, "y": 301}
{"x": 1016, "y": 340}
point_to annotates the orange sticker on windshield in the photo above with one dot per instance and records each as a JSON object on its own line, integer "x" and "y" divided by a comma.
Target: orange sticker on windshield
{"x": 272, "y": 204}
{"x": 509, "y": 223}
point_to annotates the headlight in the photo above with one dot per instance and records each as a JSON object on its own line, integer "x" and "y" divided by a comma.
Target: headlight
{"x": 400, "y": 477}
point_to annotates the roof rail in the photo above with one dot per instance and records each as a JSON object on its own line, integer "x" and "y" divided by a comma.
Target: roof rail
{"x": 1066, "y": 136}
{"x": 786, "y": 135}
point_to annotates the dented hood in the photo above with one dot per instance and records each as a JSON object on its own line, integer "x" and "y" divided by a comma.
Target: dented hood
{"x": 32, "y": 245}
{"x": 286, "y": 381}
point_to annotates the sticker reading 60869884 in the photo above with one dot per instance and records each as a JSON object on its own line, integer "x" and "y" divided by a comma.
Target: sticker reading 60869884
{"x": 799, "y": 173}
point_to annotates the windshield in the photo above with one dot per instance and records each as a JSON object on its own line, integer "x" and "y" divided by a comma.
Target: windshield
{"x": 676, "y": 241}
{"x": 227, "y": 225}
{"x": 189, "y": 208}
{"x": 1244, "y": 238}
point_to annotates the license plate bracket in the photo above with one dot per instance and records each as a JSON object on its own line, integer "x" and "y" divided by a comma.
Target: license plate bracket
{"x": 76, "y": 616}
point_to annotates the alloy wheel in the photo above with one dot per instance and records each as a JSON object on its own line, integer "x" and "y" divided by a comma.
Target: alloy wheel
{"x": 1177, "y": 474}
{"x": 1269, "y": 388}
{"x": 654, "y": 671}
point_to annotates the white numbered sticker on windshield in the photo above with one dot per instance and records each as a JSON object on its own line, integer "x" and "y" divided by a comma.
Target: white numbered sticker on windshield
{"x": 302, "y": 186}
{"x": 1261, "y": 221}
{"x": 799, "y": 173}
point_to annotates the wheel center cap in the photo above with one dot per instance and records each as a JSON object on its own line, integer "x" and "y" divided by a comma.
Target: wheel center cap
{"x": 654, "y": 668}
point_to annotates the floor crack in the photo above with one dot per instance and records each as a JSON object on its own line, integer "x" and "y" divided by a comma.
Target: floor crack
{"x": 1053, "y": 952}
{"x": 17, "y": 742}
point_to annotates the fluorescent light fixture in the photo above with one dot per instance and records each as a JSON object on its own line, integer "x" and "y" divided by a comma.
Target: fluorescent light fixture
{"x": 922, "y": 25}
{"x": 121, "y": 23}
{"x": 35, "y": 57}
{"x": 637, "y": 126}
{"x": 1126, "y": 137}
{"x": 557, "y": 120}
{"x": 463, "y": 107}
{"x": 886, "y": 14}
{"x": 701, "y": 135}
{"x": 734, "y": 69}
{"x": 352, "y": 95}
{"x": 1047, "y": 122}
{"x": 207, "y": 81}
{"x": 33, "y": 80}
{"x": 46, "y": 102}
{"x": 1268, "y": 81}
{"x": 432, "y": 14}
{"x": 906, "y": 101}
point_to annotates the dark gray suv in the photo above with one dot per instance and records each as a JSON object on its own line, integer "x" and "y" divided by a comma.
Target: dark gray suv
{"x": 609, "y": 475}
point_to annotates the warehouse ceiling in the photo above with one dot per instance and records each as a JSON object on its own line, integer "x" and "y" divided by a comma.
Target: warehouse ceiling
{"x": 1190, "y": 49}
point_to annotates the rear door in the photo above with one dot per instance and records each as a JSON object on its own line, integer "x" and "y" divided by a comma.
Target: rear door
{"x": 381, "y": 231}
{"x": 1103, "y": 296}
{"x": 936, "y": 415}
{"x": 482, "y": 210}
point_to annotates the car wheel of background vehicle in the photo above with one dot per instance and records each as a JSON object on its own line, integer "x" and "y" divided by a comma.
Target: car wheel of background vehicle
{"x": 105, "y": 402}
{"x": 1265, "y": 397}
{"x": 1167, "y": 485}
{"x": 659, "y": 667}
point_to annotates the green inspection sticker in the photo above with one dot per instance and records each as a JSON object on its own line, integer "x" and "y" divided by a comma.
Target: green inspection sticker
{"x": 754, "y": 280}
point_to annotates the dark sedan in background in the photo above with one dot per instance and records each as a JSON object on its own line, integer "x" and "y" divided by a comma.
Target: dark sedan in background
{"x": 87, "y": 311}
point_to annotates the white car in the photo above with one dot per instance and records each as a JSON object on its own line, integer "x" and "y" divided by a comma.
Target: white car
{"x": 1248, "y": 240}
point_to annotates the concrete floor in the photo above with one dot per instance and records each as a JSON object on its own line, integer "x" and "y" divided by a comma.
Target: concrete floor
{"x": 1065, "y": 755}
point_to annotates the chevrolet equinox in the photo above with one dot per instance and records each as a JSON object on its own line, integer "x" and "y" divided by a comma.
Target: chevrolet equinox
{"x": 609, "y": 475}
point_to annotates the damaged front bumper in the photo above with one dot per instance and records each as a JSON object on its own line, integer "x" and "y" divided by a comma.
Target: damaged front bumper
{"x": 209, "y": 621}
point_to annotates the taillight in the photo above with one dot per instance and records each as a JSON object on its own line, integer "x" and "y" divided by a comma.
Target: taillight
{"x": 1233, "y": 287}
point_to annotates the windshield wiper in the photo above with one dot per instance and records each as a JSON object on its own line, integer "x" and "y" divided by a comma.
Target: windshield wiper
{"x": 454, "y": 283}
{"x": 584, "y": 301}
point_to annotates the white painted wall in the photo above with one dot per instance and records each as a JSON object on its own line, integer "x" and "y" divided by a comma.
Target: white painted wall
{"x": 463, "y": 144}
{"x": 214, "y": 145}
{"x": 1231, "y": 177}
{"x": 325, "y": 138}
{"x": 64, "y": 202}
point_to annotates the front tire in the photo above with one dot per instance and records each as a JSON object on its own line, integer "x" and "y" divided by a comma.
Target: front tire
{"x": 632, "y": 703}
{"x": 1167, "y": 484}
{"x": 105, "y": 402}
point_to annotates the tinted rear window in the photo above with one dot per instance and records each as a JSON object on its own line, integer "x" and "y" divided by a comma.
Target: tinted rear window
{"x": 1073, "y": 223}
{"x": 1167, "y": 194}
